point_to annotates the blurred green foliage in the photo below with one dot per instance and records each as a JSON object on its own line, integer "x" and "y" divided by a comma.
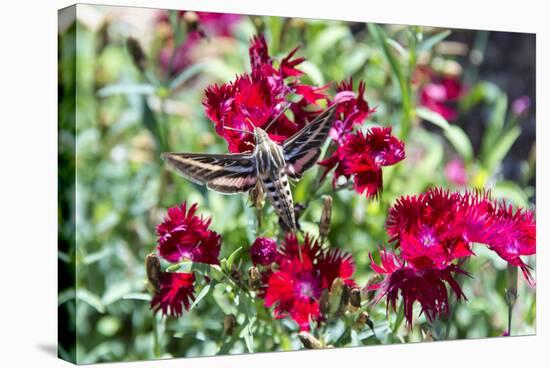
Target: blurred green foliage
{"x": 125, "y": 118}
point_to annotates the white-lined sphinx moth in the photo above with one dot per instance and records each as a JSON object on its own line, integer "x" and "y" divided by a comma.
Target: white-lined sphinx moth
{"x": 270, "y": 164}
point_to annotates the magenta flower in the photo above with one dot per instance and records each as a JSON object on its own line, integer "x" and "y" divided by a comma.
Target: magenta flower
{"x": 362, "y": 156}
{"x": 175, "y": 293}
{"x": 434, "y": 229}
{"x": 425, "y": 286}
{"x": 295, "y": 288}
{"x": 183, "y": 235}
{"x": 352, "y": 112}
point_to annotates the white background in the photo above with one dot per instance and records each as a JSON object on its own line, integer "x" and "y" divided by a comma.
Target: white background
{"x": 28, "y": 120}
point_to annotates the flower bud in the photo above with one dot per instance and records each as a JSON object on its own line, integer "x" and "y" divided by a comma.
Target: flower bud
{"x": 254, "y": 278}
{"x": 324, "y": 303}
{"x": 337, "y": 295}
{"x": 263, "y": 251}
{"x": 376, "y": 279}
{"x": 364, "y": 319}
{"x": 137, "y": 54}
{"x": 191, "y": 19}
{"x": 257, "y": 196}
{"x": 152, "y": 268}
{"x": 309, "y": 341}
{"x": 324, "y": 222}
{"x": 229, "y": 322}
{"x": 355, "y": 297}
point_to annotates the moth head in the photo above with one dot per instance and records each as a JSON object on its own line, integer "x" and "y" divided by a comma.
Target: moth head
{"x": 260, "y": 135}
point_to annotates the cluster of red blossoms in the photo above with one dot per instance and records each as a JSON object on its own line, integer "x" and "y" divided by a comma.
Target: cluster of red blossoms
{"x": 182, "y": 236}
{"x": 434, "y": 231}
{"x": 362, "y": 156}
{"x": 302, "y": 272}
{"x": 257, "y": 98}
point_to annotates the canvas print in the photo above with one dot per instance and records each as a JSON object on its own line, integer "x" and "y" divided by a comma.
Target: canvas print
{"x": 234, "y": 184}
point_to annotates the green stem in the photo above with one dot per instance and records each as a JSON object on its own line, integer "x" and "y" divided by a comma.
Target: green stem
{"x": 156, "y": 342}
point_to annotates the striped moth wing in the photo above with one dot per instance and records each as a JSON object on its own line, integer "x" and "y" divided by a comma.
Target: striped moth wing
{"x": 302, "y": 150}
{"x": 226, "y": 173}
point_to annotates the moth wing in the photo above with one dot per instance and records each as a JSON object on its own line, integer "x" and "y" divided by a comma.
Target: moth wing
{"x": 302, "y": 150}
{"x": 225, "y": 173}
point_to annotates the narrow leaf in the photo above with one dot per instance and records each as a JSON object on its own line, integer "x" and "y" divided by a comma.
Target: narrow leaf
{"x": 201, "y": 295}
{"x": 431, "y": 41}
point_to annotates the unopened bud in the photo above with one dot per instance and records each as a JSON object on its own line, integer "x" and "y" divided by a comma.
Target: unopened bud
{"x": 137, "y": 54}
{"x": 336, "y": 292}
{"x": 309, "y": 341}
{"x": 257, "y": 196}
{"x": 376, "y": 279}
{"x": 364, "y": 319}
{"x": 344, "y": 300}
{"x": 254, "y": 278}
{"x": 324, "y": 222}
{"x": 355, "y": 297}
{"x": 236, "y": 274}
{"x": 427, "y": 336}
{"x": 191, "y": 19}
{"x": 152, "y": 268}
{"x": 512, "y": 287}
{"x": 324, "y": 303}
{"x": 229, "y": 322}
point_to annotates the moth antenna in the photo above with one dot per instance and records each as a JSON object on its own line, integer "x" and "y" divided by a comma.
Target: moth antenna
{"x": 250, "y": 123}
{"x": 238, "y": 130}
{"x": 277, "y": 117}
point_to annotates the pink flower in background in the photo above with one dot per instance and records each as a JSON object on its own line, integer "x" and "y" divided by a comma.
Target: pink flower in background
{"x": 208, "y": 25}
{"x": 305, "y": 270}
{"x": 176, "y": 291}
{"x": 521, "y": 105}
{"x": 440, "y": 93}
{"x": 184, "y": 235}
{"x": 455, "y": 172}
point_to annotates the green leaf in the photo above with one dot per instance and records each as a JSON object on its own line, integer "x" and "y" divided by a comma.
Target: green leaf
{"x": 126, "y": 89}
{"x": 327, "y": 39}
{"x": 188, "y": 73}
{"x": 246, "y": 334}
{"x": 495, "y": 125}
{"x": 201, "y": 295}
{"x": 460, "y": 142}
{"x": 399, "y": 77}
{"x": 91, "y": 299}
{"x": 313, "y": 72}
{"x": 430, "y": 42}
{"x": 454, "y": 134}
{"x": 151, "y": 123}
{"x": 512, "y": 192}
{"x": 499, "y": 150}
{"x": 232, "y": 256}
{"x": 397, "y": 46}
{"x": 138, "y": 296}
{"x": 432, "y": 117}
